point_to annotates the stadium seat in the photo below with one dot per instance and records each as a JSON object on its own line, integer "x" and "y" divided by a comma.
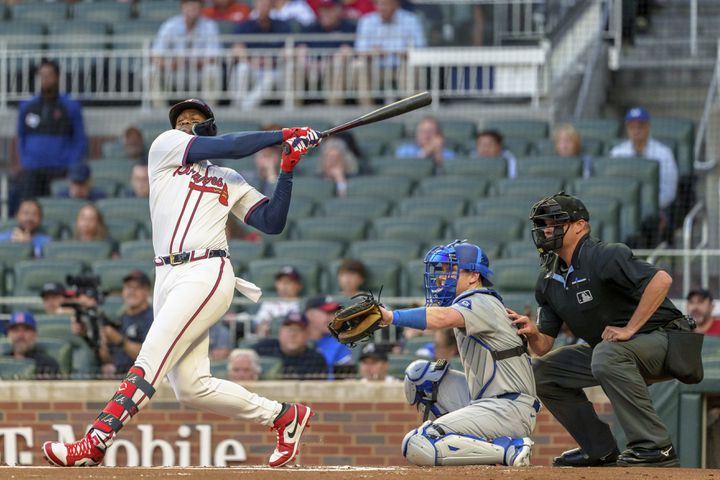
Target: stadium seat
{"x": 600, "y": 128}
{"x": 314, "y": 188}
{"x": 458, "y": 131}
{"x": 464, "y": 186}
{"x": 73, "y": 250}
{"x": 372, "y": 138}
{"x": 16, "y": 369}
{"x": 60, "y": 350}
{"x": 49, "y": 13}
{"x": 644, "y": 171}
{"x": 243, "y": 251}
{"x": 270, "y": 368}
{"x": 380, "y": 273}
{"x": 414, "y": 168}
{"x": 505, "y": 205}
{"x": 314, "y": 250}
{"x": 604, "y": 211}
{"x": 111, "y": 272}
{"x": 23, "y": 34}
{"x": 515, "y": 274}
{"x": 483, "y": 168}
{"x": 400, "y": 250}
{"x": 301, "y": 207}
{"x": 109, "y": 12}
{"x": 137, "y": 250}
{"x": 519, "y": 249}
{"x": 122, "y": 229}
{"x": 119, "y": 169}
{"x": 398, "y": 228}
{"x": 521, "y": 302}
{"x": 357, "y": 207}
{"x": 130, "y": 35}
{"x": 440, "y": 207}
{"x": 526, "y": 129}
{"x": 551, "y": 166}
{"x": 683, "y": 132}
{"x": 342, "y": 229}
{"x": 151, "y": 128}
{"x": 538, "y": 187}
{"x": 413, "y": 344}
{"x": 486, "y": 227}
{"x": 55, "y": 326}
{"x": 77, "y": 35}
{"x": 133, "y": 209}
{"x": 109, "y": 188}
{"x": 219, "y": 369}
{"x": 398, "y": 362}
{"x": 13, "y": 252}
{"x": 157, "y": 10}
{"x": 309, "y": 166}
{"x": 31, "y": 275}
{"x": 62, "y": 210}
{"x": 413, "y": 281}
{"x": 262, "y": 273}
{"x": 377, "y": 186}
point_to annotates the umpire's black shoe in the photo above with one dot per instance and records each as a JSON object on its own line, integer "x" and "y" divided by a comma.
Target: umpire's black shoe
{"x": 578, "y": 458}
{"x": 648, "y": 457}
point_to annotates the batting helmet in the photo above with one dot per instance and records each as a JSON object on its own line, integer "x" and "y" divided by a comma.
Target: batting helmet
{"x": 206, "y": 128}
{"x": 559, "y": 210}
{"x": 442, "y": 268}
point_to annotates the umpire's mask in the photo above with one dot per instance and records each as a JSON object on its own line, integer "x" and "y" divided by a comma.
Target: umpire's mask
{"x": 555, "y": 211}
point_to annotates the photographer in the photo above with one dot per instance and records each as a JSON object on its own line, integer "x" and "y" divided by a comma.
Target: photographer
{"x": 120, "y": 344}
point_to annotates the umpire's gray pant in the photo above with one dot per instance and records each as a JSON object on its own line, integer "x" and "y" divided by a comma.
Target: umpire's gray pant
{"x": 623, "y": 370}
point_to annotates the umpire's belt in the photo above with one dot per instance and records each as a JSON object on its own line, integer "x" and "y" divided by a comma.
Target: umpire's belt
{"x": 515, "y": 395}
{"x": 175, "y": 259}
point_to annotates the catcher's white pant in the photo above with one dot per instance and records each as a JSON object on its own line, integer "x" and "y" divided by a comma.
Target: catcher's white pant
{"x": 188, "y": 299}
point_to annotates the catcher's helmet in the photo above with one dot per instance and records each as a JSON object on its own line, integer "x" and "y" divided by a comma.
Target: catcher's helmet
{"x": 442, "y": 268}
{"x": 206, "y": 128}
{"x": 561, "y": 209}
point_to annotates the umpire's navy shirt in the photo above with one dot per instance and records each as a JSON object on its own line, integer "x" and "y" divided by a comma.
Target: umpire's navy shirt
{"x": 602, "y": 287}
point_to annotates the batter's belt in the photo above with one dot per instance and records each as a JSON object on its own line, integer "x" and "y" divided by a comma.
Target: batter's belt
{"x": 176, "y": 259}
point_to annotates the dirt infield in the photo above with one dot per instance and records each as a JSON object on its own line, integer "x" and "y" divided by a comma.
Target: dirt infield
{"x": 352, "y": 473}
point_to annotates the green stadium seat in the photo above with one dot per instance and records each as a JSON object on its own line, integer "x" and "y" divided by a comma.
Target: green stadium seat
{"x": 625, "y": 190}
{"x": 515, "y": 274}
{"x": 130, "y": 35}
{"x": 31, "y": 275}
{"x": 243, "y": 252}
{"x": 122, "y": 229}
{"x": 16, "y": 369}
{"x": 13, "y": 252}
{"x": 218, "y": 369}
{"x": 413, "y": 344}
{"x": 604, "y": 211}
{"x": 314, "y": 250}
{"x": 60, "y": 350}
{"x": 55, "y": 326}
{"x": 137, "y": 250}
{"x": 157, "y": 9}
{"x": 83, "y": 252}
{"x": 400, "y": 250}
{"x": 108, "y": 187}
{"x": 527, "y": 129}
{"x": 484, "y": 168}
{"x": 270, "y": 368}
{"x": 386, "y": 187}
{"x": 413, "y": 279}
{"x": 683, "y": 132}
{"x": 600, "y": 128}
{"x": 262, "y": 273}
{"x": 440, "y": 207}
{"x": 450, "y": 185}
{"x": 518, "y": 146}
{"x": 23, "y": 34}
{"x": 316, "y": 189}
{"x": 29, "y": 11}
{"x": 301, "y": 207}
{"x": 520, "y": 302}
{"x": 373, "y": 138}
{"x": 644, "y": 171}
{"x": 538, "y": 187}
{"x": 491, "y": 228}
{"x": 415, "y": 168}
{"x": 398, "y": 228}
{"x": 133, "y": 209}
{"x": 383, "y": 273}
{"x": 458, "y": 131}
{"x": 117, "y": 169}
{"x": 309, "y": 166}
{"x": 111, "y": 272}
{"x": 342, "y": 229}
{"x": 151, "y": 128}
{"x": 61, "y": 210}
{"x": 552, "y": 166}
{"x": 398, "y": 362}
{"x": 356, "y": 207}
{"x": 517, "y": 207}
{"x": 77, "y": 35}
{"x": 519, "y": 249}
{"x": 109, "y": 12}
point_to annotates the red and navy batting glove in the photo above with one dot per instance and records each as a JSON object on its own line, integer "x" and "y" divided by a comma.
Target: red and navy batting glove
{"x": 293, "y": 149}
{"x": 312, "y": 136}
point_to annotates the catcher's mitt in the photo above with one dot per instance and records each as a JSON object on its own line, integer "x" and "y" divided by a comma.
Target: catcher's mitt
{"x": 357, "y": 321}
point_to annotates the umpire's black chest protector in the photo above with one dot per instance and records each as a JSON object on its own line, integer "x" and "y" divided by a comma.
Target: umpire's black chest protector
{"x": 602, "y": 287}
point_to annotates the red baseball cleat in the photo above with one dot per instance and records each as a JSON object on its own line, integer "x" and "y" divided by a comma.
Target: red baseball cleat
{"x": 86, "y": 452}
{"x": 289, "y": 429}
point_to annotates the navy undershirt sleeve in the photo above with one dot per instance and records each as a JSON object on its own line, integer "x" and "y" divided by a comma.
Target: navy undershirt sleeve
{"x": 231, "y": 145}
{"x": 270, "y": 217}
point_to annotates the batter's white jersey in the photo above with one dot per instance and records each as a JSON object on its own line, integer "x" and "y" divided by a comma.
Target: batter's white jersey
{"x": 189, "y": 204}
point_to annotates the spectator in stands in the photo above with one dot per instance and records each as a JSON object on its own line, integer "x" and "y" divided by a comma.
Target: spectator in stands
{"x": 220, "y": 341}
{"x": 382, "y": 39}
{"x": 337, "y": 163}
{"x": 134, "y": 145}
{"x": 81, "y": 183}
{"x": 22, "y": 335}
{"x": 319, "y": 311}
{"x": 350, "y": 277}
{"x": 120, "y": 344}
{"x": 641, "y": 144}
{"x": 50, "y": 135}
{"x": 490, "y": 145}
{"x": 53, "y": 297}
{"x": 186, "y": 44}
{"x": 429, "y": 143}
{"x": 288, "y": 285}
{"x": 374, "y": 365}
{"x": 243, "y": 365}
{"x": 254, "y": 77}
{"x": 226, "y": 11}
{"x": 568, "y": 143}
{"x": 139, "y": 181}
{"x": 90, "y": 224}
{"x": 28, "y": 220}
{"x": 330, "y": 20}
{"x": 351, "y": 9}
{"x": 293, "y": 11}
{"x": 700, "y": 306}
{"x": 291, "y": 346}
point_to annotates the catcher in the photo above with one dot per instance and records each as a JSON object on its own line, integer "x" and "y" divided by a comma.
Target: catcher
{"x": 485, "y": 416}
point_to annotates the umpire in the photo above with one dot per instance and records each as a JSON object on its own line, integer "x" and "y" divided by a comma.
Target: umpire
{"x": 617, "y": 304}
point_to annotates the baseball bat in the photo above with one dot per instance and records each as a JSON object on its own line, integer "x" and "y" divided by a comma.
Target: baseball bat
{"x": 388, "y": 111}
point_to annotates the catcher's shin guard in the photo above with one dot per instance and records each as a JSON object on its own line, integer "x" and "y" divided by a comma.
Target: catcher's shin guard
{"x": 124, "y": 404}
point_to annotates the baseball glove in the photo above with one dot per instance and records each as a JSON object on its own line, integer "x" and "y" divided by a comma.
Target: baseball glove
{"x": 358, "y": 321}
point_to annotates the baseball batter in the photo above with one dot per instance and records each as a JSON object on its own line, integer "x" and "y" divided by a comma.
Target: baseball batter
{"x": 190, "y": 200}
{"x": 486, "y": 415}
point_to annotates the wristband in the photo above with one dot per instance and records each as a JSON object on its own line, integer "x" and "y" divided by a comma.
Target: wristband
{"x": 411, "y": 317}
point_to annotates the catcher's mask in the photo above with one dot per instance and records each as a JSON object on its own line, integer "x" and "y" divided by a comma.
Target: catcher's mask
{"x": 206, "y": 128}
{"x": 555, "y": 211}
{"x": 442, "y": 269}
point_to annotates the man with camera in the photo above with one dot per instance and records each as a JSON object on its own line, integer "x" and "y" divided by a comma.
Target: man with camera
{"x": 120, "y": 343}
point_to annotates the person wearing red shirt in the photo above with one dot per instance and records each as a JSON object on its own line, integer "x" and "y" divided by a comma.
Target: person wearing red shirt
{"x": 227, "y": 11}
{"x": 352, "y": 9}
{"x": 700, "y": 307}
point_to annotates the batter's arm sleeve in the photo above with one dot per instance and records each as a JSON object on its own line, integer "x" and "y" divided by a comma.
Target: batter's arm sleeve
{"x": 231, "y": 145}
{"x": 549, "y": 323}
{"x": 270, "y": 216}
{"x": 622, "y": 269}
